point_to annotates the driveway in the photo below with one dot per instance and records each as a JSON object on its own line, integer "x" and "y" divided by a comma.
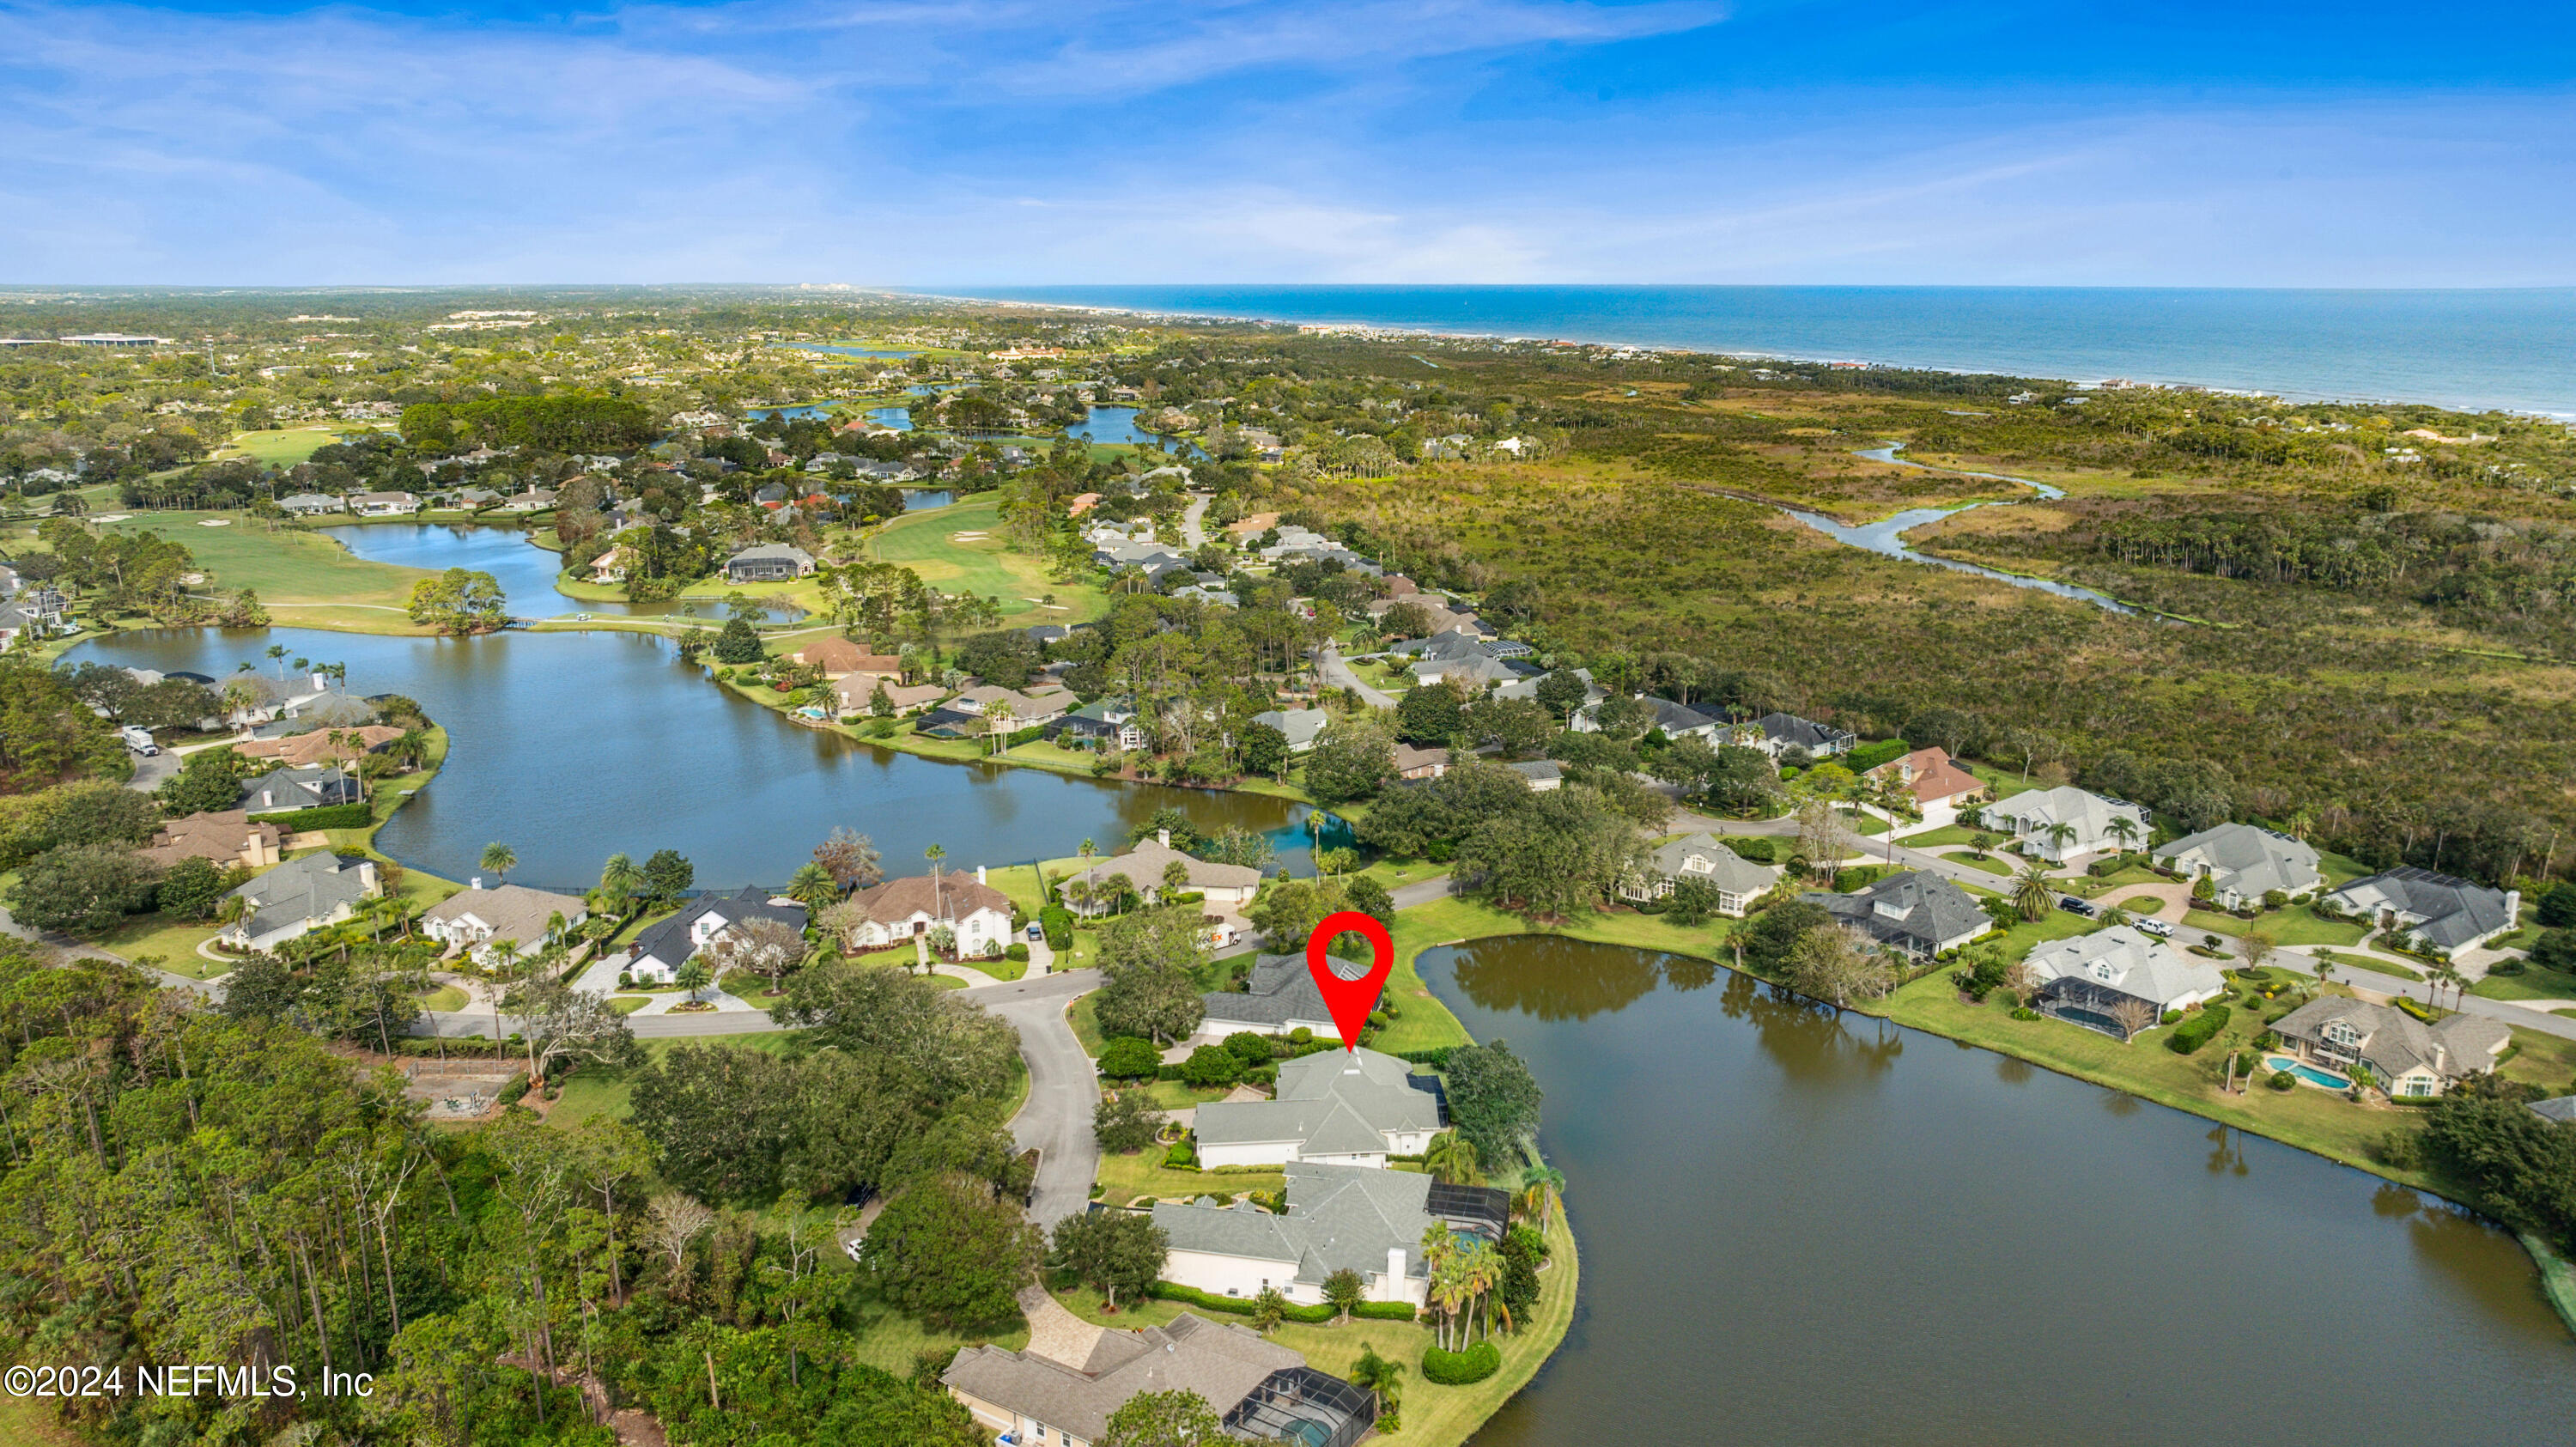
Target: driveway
{"x": 1192, "y": 535}
{"x": 1337, "y": 673}
{"x": 1064, "y": 1089}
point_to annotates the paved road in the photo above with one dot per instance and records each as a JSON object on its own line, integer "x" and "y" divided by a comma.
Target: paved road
{"x": 1064, "y": 1089}
{"x": 1337, "y": 673}
{"x": 1192, "y": 535}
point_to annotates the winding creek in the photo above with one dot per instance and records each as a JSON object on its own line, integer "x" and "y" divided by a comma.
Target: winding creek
{"x": 1798, "y": 1228}
{"x": 1887, "y": 535}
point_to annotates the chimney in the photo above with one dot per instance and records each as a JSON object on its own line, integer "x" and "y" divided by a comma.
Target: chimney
{"x": 1163, "y": 837}
{"x": 475, "y": 883}
{"x": 979, "y": 874}
{"x": 1395, "y": 1273}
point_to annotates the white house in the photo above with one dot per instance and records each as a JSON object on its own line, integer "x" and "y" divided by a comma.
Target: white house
{"x": 2094, "y": 823}
{"x": 1228, "y": 888}
{"x": 2085, "y": 979}
{"x": 2450, "y": 916}
{"x": 2243, "y": 863}
{"x": 384, "y": 504}
{"x": 895, "y": 911}
{"x": 659, "y": 952}
{"x": 1739, "y": 881}
{"x": 298, "y": 896}
{"x": 474, "y": 919}
{"x": 1343, "y": 1107}
{"x": 1339, "y": 1218}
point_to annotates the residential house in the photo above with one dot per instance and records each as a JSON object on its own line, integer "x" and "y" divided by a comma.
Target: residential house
{"x": 1108, "y": 724}
{"x": 1027, "y": 710}
{"x": 1544, "y": 775}
{"x": 1155, "y": 560}
{"x": 1527, "y": 687}
{"x": 2093, "y": 823}
{"x": 1302, "y": 725}
{"x": 2449, "y": 916}
{"x": 1413, "y": 763}
{"x": 475, "y": 499}
{"x": 310, "y": 504}
{"x": 1260, "y": 1390}
{"x": 2558, "y": 1108}
{"x": 474, "y": 920}
{"x": 1345, "y": 1107}
{"x": 1676, "y": 720}
{"x": 838, "y": 657}
{"x": 857, "y": 694}
{"x": 299, "y": 896}
{"x": 1703, "y": 856}
{"x": 898, "y": 909}
{"x": 286, "y": 790}
{"x": 1279, "y": 998}
{"x": 1228, "y": 888}
{"x": 659, "y": 952}
{"x": 2406, "y": 1056}
{"x": 225, "y": 836}
{"x": 1919, "y": 913}
{"x": 319, "y": 745}
{"x": 1936, "y": 783}
{"x": 1339, "y": 1218}
{"x": 2085, "y": 980}
{"x": 1777, "y": 733}
{"x": 2243, "y": 864}
{"x": 769, "y": 563}
{"x": 535, "y": 499}
{"x": 384, "y": 504}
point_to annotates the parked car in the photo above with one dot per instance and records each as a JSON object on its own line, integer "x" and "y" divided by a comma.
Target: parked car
{"x": 1037, "y": 931}
{"x": 138, "y": 740}
{"x": 2156, "y": 927}
{"x": 2072, "y": 905}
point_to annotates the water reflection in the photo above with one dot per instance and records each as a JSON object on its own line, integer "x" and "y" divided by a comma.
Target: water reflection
{"x": 2012, "y": 1071}
{"x": 2227, "y": 1152}
{"x": 1554, "y": 978}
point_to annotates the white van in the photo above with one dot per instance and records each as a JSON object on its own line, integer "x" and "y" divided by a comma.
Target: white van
{"x": 138, "y": 740}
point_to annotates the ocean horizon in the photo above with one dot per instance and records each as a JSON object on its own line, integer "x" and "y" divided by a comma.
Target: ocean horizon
{"x": 2510, "y": 350}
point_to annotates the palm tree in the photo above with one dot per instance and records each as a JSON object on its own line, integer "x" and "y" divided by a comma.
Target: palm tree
{"x": 2032, "y": 893}
{"x": 2060, "y": 834}
{"x": 1380, "y": 1378}
{"x": 1087, "y": 849}
{"x": 693, "y": 976}
{"x": 619, "y": 880}
{"x": 998, "y": 719}
{"x": 277, "y": 655}
{"x": 813, "y": 886}
{"x": 1452, "y": 1159}
{"x": 1542, "y": 1184}
{"x": 2113, "y": 916}
{"x": 2124, "y": 829}
{"x": 500, "y": 859}
{"x": 934, "y": 854}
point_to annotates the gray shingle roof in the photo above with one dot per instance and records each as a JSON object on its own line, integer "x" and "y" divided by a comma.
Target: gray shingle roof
{"x": 669, "y": 941}
{"x": 309, "y": 888}
{"x": 2394, "y": 1042}
{"x": 2249, "y": 861}
{"x": 1703, "y": 856}
{"x": 1785, "y": 729}
{"x": 2123, "y": 960}
{"x": 1315, "y": 1093}
{"x": 1339, "y": 1218}
{"x": 1916, "y": 910}
{"x": 2453, "y": 911}
{"x": 1220, "y": 1363}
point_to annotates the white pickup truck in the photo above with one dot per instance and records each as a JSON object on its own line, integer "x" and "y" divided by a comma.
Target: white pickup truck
{"x": 139, "y": 740}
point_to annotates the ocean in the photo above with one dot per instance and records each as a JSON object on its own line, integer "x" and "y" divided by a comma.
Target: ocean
{"x": 2512, "y": 350}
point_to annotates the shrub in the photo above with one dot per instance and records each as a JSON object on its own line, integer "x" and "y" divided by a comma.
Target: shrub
{"x": 2268, "y": 1040}
{"x": 2196, "y": 1031}
{"x": 1180, "y": 1157}
{"x": 512, "y": 1092}
{"x": 1458, "y": 1369}
{"x": 1383, "y": 1311}
{"x": 1755, "y": 848}
{"x": 330, "y": 816}
{"x": 1238, "y": 1305}
{"x": 2283, "y": 1080}
{"x": 1250, "y": 1047}
{"x": 1210, "y": 1066}
{"x": 1016, "y": 952}
{"x": 1057, "y": 921}
{"x": 2415, "y": 1008}
{"x": 2025, "y": 1013}
{"x": 2507, "y": 967}
{"x": 1128, "y": 1058}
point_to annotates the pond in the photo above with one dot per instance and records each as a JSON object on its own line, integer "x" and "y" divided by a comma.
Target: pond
{"x": 1118, "y": 425}
{"x": 571, "y": 746}
{"x": 525, "y": 571}
{"x": 847, "y": 351}
{"x": 1887, "y": 535}
{"x": 1802, "y": 1228}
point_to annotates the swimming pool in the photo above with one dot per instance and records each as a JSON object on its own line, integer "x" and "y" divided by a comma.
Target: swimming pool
{"x": 2308, "y": 1073}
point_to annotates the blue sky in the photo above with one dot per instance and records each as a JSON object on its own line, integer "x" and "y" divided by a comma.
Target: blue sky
{"x": 1064, "y": 141}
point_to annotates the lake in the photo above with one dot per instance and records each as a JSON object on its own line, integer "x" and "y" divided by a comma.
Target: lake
{"x": 525, "y": 571}
{"x": 571, "y": 746}
{"x": 1803, "y": 1228}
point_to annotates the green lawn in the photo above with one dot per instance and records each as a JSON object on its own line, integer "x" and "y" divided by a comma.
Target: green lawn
{"x": 1991, "y": 864}
{"x": 2537, "y": 982}
{"x": 444, "y": 998}
{"x": 2296, "y": 925}
{"x": 593, "y": 1090}
{"x": 924, "y": 543}
{"x": 175, "y": 941}
{"x": 303, "y": 578}
{"x": 287, "y": 446}
{"x": 2372, "y": 963}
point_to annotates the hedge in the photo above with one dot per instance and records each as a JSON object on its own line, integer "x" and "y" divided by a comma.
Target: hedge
{"x": 1057, "y": 921}
{"x": 1869, "y": 756}
{"x": 2195, "y": 1032}
{"x": 1242, "y": 1305}
{"x": 329, "y": 816}
{"x": 1437, "y": 1057}
{"x": 1458, "y": 1369}
{"x": 517, "y": 1087}
{"x": 1755, "y": 848}
{"x": 1383, "y": 1311}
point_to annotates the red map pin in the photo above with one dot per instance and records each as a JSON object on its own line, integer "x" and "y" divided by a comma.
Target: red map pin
{"x": 1350, "y": 1000}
